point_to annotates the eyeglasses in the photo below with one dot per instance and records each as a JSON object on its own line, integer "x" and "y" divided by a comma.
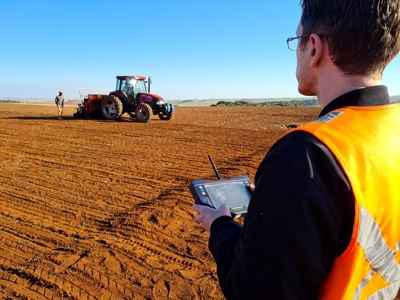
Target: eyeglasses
{"x": 293, "y": 42}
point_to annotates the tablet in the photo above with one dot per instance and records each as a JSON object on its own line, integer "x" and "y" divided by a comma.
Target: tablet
{"x": 233, "y": 192}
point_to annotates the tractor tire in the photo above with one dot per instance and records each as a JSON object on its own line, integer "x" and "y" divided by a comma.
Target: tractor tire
{"x": 143, "y": 113}
{"x": 166, "y": 117}
{"x": 111, "y": 108}
{"x": 78, "y": 115}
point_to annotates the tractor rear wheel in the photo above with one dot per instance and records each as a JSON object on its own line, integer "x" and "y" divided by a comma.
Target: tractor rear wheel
{"x": 143, "y": 113}
{"x": 111, "y": 108}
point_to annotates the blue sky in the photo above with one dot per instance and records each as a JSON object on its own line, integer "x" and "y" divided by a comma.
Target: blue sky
{"x": 192, "y": 49}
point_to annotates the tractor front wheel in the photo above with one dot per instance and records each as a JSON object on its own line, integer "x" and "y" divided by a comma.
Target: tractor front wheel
{"x": 143, "y": 113}
{"x": 165, "y": 117}
{"x": 111, "y": 108}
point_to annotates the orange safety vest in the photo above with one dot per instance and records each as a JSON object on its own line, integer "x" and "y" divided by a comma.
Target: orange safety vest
{"x": 366, "y": 143}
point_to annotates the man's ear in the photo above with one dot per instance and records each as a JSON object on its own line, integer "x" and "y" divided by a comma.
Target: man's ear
{"x": 316, "y": 49}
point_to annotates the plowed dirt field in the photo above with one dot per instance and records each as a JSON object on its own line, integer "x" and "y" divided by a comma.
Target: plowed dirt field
{"x": 92, "y": 209}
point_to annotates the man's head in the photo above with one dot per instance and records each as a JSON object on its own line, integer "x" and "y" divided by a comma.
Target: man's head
{"x": 356, "y": 37}
{"x": 60, "y": 93}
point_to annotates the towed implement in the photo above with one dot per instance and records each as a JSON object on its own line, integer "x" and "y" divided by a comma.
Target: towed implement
{"x": 132, "y": 95}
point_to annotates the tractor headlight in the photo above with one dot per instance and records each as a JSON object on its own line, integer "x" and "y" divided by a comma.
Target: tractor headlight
{"x": 160, "y": 102}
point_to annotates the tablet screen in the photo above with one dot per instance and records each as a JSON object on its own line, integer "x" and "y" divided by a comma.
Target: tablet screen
{"x": 233, "y": 194}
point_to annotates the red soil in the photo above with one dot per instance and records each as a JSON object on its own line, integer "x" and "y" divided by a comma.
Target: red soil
{"x": 92, "y": 209}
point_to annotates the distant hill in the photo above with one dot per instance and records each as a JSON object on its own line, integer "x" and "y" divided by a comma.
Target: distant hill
{"x": 9, "y": 101}
{"x": 395, "y": 98}
{"x": 307, "y": 102}
{"x": 39, "y": 101}
{"x": 255, "y": 102}
{"x": 247, "y": 102}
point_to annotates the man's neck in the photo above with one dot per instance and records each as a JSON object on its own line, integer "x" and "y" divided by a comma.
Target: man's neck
{"x": 331, "y": 87}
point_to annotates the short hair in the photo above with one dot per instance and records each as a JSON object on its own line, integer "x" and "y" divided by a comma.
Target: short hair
{"x": 363, "y": 36}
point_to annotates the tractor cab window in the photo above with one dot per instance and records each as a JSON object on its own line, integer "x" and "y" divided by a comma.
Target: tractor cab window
{"x": 140, "y": 87}
{"x": 127, "y": 86}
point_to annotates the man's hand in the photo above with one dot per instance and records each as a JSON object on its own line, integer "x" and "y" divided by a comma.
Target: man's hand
{"x": 207, "y": 215}
{"x": 252, "y": 187}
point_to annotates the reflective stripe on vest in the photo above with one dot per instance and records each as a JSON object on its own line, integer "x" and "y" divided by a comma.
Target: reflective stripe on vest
{"x": 366, "y": 143}
{"x": 380, "y": 257}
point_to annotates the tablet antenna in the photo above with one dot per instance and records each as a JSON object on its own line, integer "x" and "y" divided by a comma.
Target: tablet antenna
{"x": 214, "y": 168}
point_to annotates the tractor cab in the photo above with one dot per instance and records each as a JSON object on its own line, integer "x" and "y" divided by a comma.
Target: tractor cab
{"x": 133, "y": 85}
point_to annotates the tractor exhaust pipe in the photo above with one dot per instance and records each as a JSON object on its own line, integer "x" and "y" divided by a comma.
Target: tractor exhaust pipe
{"x": 149, "y": 83}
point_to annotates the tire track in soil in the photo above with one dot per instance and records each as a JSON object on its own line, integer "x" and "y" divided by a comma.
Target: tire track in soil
{"x": 89, "y": 217}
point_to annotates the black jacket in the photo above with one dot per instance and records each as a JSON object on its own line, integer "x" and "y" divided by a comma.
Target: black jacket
{"x": 300, "y": 218}
{"x": 59, "y": 100}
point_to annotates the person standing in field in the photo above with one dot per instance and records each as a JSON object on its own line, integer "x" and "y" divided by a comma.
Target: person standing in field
{"x": 59, "y": 100}
{"x": 324, "y": 218}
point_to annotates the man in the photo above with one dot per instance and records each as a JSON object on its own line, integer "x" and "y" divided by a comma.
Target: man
{"x": 324, "y": 219}
{"x": 59, "y": 100}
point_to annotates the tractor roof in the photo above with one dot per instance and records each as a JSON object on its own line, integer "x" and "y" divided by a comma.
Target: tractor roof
{"x": 132, "y": 77}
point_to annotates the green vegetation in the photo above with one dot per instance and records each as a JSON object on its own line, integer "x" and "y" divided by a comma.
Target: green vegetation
{"x": 9, "y": 101}
{"x": 304, "y": 102}
{"x": 279, "y": 102}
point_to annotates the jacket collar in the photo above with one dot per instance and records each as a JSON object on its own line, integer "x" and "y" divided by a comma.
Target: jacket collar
{"x": 374, "y": 95}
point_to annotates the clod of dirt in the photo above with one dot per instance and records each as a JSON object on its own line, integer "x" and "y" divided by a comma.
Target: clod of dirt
{"x": 153, "y": 219}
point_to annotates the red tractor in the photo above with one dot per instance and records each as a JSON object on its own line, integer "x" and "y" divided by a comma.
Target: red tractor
{"x": 132, "y": 95}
